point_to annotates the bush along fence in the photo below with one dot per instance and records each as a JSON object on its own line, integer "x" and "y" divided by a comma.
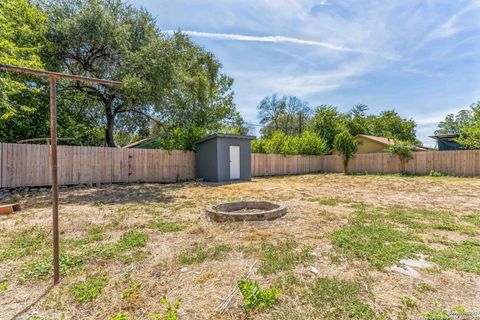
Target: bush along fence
{"x": 27, "y": 165}
{"x": 455, "y": 163}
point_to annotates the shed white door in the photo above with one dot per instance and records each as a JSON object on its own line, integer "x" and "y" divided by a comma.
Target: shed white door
{"x": 234, "y": 162}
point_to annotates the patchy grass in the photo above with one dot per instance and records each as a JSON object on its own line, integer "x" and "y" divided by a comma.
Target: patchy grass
{"x": 41, "y": 268}
{"x": 23, "y": 243}
{"x": 371, "y": 237}
{"x": 130, "y": 240}
{"x": 329, "y": 202}
{"x": 282, "y": 256}
{"x": 338, "y": 299}
{"x": 89, "y": 289}
{"x": 473, "y": 219}
{"x": 137, "y": 235}
{"x": 166, "y": 226}
{"x": 200, "y": 252}
{"x": 464, "y": 256}
{"x": 385, "y": 236}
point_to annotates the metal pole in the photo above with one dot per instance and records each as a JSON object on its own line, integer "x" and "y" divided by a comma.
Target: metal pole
{"x": 53, "y": 162}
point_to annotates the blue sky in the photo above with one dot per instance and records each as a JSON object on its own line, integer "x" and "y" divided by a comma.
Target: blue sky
{"x": 419, "y": 57}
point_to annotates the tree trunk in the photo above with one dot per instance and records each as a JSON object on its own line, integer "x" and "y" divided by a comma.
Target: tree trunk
{"x": 109, "y": 130}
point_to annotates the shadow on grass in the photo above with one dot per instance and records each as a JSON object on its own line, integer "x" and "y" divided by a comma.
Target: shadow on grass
{"x": 33, "y": 303}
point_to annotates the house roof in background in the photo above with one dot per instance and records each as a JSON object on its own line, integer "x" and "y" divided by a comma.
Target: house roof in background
{"x": 387, "y": 141}
{"x": 445, "y": 136}
{"x": 381, "y": 140}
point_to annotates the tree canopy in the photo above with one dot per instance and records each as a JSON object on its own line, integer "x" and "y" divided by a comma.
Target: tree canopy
{"x": 172, "y": 87}
{"x": 23, "y": 106}
{"x": 168, "y": 81}
{"x": 287, "y": 114}
{"x": 326, "y": 121}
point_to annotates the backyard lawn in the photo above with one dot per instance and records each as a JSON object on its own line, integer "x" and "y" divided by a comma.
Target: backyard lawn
{"x": 146, "y": 251}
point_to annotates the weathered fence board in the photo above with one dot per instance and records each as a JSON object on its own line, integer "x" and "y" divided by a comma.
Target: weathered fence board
{"x": 29, "y": 165}
{"x": 455, "y": 163}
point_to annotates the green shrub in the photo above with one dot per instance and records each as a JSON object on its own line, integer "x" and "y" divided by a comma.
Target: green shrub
{"x": 434, "y": 173}
{"x": 346, "y": 146}
{"x": 256, "y": 298}
{"x": 280, "y": 143}
{"x": 403, "y": 151}
{"x": 311, "y": 144}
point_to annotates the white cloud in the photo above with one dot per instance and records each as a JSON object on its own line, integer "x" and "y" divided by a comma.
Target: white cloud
{"x": 275, "y": 39}
{"x": 456, "y": 22}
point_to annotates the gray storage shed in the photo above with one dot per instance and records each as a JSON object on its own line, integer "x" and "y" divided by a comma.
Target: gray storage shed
{"x": 224, "y": 157}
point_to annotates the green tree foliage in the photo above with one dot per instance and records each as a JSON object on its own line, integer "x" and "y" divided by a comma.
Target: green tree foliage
{"x": 23, "y": 102}
{"x": 466, "y": 123}
{"x": 327, "y": 122}
{"x": 390, "y": 124}
{"x": 287, "y": 114}
{"x": 470, "y": 129}
{"x": 168, "y": 80}
{"x": 346, "y": 146}
{"x": 403, "y": 151}
{"x": 280, "y": 143}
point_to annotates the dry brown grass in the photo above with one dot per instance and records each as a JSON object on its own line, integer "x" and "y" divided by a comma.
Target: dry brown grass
{"x": 117, "y": 209}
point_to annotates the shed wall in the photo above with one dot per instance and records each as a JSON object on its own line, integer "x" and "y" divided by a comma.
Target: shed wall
{"x": 207, "y": 160}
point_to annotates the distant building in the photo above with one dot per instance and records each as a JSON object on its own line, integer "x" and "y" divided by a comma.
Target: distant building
{"x": 446, "y": 142}
{"x": 374, "y": 144}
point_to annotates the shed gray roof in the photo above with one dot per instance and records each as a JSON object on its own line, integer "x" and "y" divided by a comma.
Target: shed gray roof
{"x": 228, "y": 136}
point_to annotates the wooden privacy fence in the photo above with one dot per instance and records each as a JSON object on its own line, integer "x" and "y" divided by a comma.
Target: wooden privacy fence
{"x": 455, "y": 163}
{"x": 28, "y": 165}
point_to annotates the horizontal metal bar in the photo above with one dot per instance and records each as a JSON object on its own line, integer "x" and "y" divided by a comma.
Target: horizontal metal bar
{"x": 44, "y": 73}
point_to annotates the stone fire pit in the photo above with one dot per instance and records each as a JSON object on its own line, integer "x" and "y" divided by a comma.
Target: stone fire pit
{"x": 246, "y": 211}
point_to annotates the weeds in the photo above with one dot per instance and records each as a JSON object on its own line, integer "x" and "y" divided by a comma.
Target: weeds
{"x": 130, "y": 240}
{"x": 171, "y": 310}
{"x": 283, "y": 256}
{"x": 379, "y": 236}
{"x": 42, "y": 268}
{"x": 89, "y": 289}
{"x": 131, "y": 294}
{"x": 255, "y": 298}
{"x": 3, "y": 285}
{"x": 463, "y": 256}
{"x": 329, "y": 202}
{"x": 201, "y": 252}
{"x": 120, "y": 316}
{"x": 166, "y": 226}
{"x": 337, "y": 299}
{"x": 24, "y": 243}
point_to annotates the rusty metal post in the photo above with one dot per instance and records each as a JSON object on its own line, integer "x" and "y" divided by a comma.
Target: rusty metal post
{"x": 54, "y": 172}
